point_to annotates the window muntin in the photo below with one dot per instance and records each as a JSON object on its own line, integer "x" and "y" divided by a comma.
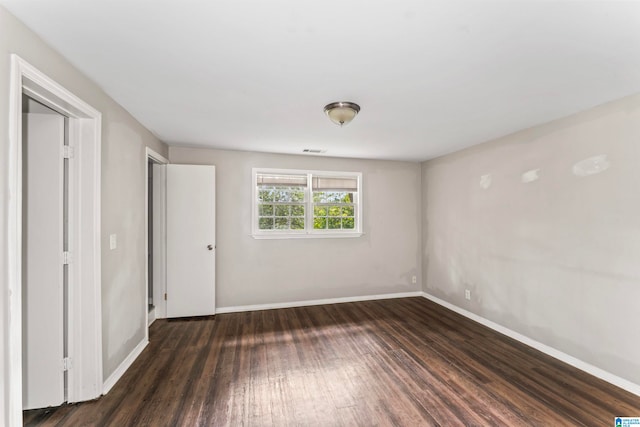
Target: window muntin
{"x": 297, "y": 203}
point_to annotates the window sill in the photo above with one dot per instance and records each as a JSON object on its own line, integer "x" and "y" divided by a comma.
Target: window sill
{"x": 273, "y": 236}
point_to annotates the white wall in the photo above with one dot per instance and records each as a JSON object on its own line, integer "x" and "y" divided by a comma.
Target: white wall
{"x": 253, "y": 271}
{"x": 557, "y": 259}
{"x": 123, "y": 160}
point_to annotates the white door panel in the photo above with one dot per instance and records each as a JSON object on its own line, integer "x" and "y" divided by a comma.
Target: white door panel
{"x": 191, "y": 240}
{"x": 42, "y": 292}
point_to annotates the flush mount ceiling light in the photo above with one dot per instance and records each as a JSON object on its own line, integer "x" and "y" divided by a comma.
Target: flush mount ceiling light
{"x": 341, "y": 113}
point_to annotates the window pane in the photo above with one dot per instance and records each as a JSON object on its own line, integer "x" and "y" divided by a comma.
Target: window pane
{"x": 265, "y": 195}
{"x": 297, "y": 210}
{"x": 297, "y": 223}
{"x": 336, "y": 196}
{"x": 282, "y": 223}
{"x": 347, "y": 211}
{"x": 281, "y": 195}
{"x": 319, "y": 211}
{"x": 335, "y": 223}
{"x": 334, "y": 210}
{"x": 297, "y": 196}
{"x": 348, "y": 223}
{"x": 319, "y": 223}
{"x": 333, "y": 197}
{"x": 282, "y": 210}
{"x": 265, "y": 210}
{"x": 265, "y": 223}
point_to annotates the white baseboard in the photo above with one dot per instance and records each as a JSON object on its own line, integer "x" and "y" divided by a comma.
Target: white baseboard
{"x": 564, "y": 357}
{"x": 122, "y": 368}
{"x": 258, "y": 307}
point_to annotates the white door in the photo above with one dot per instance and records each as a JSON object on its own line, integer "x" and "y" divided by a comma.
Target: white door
{"x": 42, "y": 281}
{"x": 191, "y": 240}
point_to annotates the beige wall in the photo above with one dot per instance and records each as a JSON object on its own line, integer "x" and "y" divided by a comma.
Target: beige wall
{"x": 253, "y": 271}
{"x": 123, "y": 158}
{"x": 557, "y": 259}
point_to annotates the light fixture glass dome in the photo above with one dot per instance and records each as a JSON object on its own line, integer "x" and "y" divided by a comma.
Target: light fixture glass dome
{"x": 341, "y": 113}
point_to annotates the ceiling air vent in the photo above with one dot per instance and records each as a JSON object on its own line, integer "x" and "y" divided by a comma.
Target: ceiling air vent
{"x": 313, "y": 151}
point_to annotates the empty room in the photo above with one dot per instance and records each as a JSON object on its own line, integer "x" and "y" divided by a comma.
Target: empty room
{"x": 337, "y": 213}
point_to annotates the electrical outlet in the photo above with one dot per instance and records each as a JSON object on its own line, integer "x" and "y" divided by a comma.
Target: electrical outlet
{"x": 113, "y": 242}
{"x": 414, "y": 279}
{"x": 467, "y": 294}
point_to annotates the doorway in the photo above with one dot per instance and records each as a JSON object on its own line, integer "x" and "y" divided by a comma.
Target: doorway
{"x": 45, "y": 276}
{"x": 84, "y": 310}
{"x": 156, "y": 235}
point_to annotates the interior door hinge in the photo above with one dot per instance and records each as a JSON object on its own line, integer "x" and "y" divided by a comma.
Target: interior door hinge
{"x": 66, "y": 257}
{"x": 67, "y": 364}
{"x": 165, "y": 296}
{"x": 68, "y": 152}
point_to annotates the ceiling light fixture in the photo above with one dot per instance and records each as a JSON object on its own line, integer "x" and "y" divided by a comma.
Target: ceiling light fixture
{"x": 341, "y": 113}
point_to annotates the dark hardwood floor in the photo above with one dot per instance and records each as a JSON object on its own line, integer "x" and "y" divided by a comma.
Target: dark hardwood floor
{"x": 402, "y": 362}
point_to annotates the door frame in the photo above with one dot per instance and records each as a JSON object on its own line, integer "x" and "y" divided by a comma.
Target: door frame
{"x": 159, "y": 236}
{"x": 85, "y": 306}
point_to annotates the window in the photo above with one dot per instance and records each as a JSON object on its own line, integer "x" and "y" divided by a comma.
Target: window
{"x": 294, "y": 203}
{"x": 334, "y": 203}
{"x": 281, "y": 201}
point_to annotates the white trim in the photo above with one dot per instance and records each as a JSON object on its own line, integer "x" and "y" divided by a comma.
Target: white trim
{"x": 557, "y": 354}
{"x": 272, "y": 306}
{"x": 85, "y": 308}
{"x": 155, "y": 156}
{"x": 279, "y": 235}
{"x": 122, "y": 368}
{"x": 14, "y": 240}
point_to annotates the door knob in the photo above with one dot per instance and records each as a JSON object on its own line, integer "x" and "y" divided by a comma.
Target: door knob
{"x": 210, "y": 247}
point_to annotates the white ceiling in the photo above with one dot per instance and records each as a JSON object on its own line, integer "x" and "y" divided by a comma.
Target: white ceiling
{"x": 431, "y": 76}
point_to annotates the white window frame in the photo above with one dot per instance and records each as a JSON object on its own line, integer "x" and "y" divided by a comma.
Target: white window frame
{"x": 307, "y": 233}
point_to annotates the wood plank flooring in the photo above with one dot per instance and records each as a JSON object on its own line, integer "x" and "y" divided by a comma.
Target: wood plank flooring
{"x": 401, "y": 362}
